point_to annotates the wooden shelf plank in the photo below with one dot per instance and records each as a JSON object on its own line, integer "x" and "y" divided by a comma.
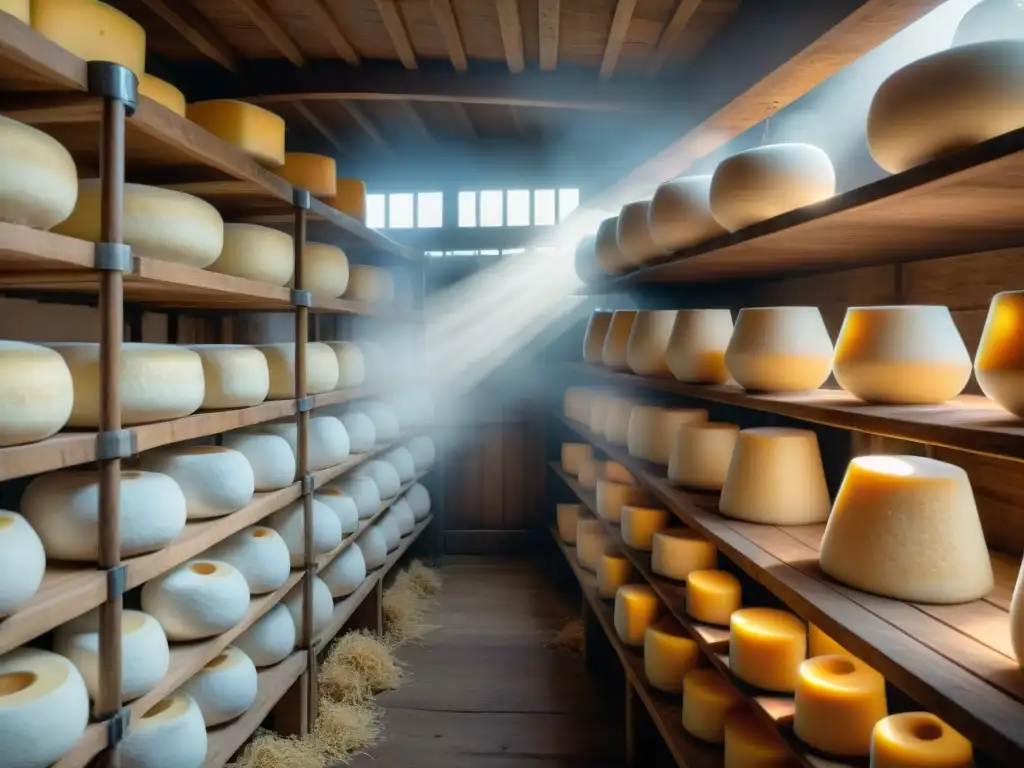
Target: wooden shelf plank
{"x": 208, "y": 423}
{"x": 31, "y": 62}
{"x": 65, "y": 449}
{"x": 324, "y": 476}
{"x": 68, "y": 590}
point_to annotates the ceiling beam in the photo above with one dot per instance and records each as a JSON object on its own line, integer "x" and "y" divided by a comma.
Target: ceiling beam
{"x": 188, "y": 23}
{"x": 392, "y": 17}
{"x": 262, "y": 17}
{"x": 366, "y": 124}
{"x": 318, "y": 124}
{"x": 548, "y": 15}
{"x": 417, "y": 120}
{"x": 671, "y": 34}
{"x": 329, "y": 25}
{"x": 511, "y": 34}
{"x": 463, "y": 119}
{"x": 445, "y": 18}
{"x": 616, "y": 36}
{"x": 517, "y": 121}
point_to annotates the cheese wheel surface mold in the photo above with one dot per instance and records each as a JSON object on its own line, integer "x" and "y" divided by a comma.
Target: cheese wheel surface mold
{"x": 918, "y": 740}
{"x": 22, "y": 562}
{"x": 696, "y": 347}
{"x": 370, "y": 284}
{"x": 289, "y": 523}
{"x": 259, "y": 554}
{"x": 163, "y": 93}
{"x": 591, "y": 543}
{"x": 594, "y": 336}
{"x": 701, "y": 454}
{"x": 392, "y": 534}
{"x": 63, "y": 508}
{"x": 677, "y": 551}
{"x": 351, "y": 363}
{"x": 321, "y": 369}
{"x": 271, "y": 639}
{"x": 419, "y": 499}
{"x": 838, "y": 689}
{"x": 349, "y": 198}
{"x": 362, "y": 435}
{"x": 707, "y": 699}
{"x": 384, "y": 418}
{"x": 92, "y": 31}
{"x": 36, "y": 393}
{"x": 234, "y": 375}
{"x": 385, "y": 476}
{"x": 258, "y": 253}
{"x": 343, "y": 506}
{"x": 225, "y": 688}
{"x": 648, "y": 341}
{"x": 999, "y": 365}
{"x": 317, "y": 174}
{"x": 403, "y": 513}
{"x": 668, "y": 655}
{"x": 907, "y": 527}
{"x": 216, "y": 481}
{"x": 610, "y": 259}
{"x": 323, "y": 609}
{"x": 256, "y": 131}
{"x": 612, "y": 497}
{"x": 633, "y": 234}
{"x": 713, "y": 596}
{"x": 345, "y": 573}
{"x": 639, "y": 524}
{"x": 19, "y": 9}
{"x": 568, "y": 516}
{"x": 363, "y": 490}
{"x": 990, "y": 20}
{"x": 766, "y": 648}
{"x": 158, "y": 382}
{"x": 197, "y": 599}
{"x": 820, "y": 644}
{"x": 749, "y": 743}
{"x": 145, "y": 654}
{"x": 680, "y": 214}
{"x": 945, "y": 102}
{"x": 34, "y": 686}
{"x": 270, "y": 456}
{"x": 776, "y": 478}
{"x": 636, "y": 608}
{"x": 779, "y": 349}
{"x": 403, "y": 462}
{"x": 423, "y": 451}
{"x": 652, "y": 430}
{"x": 901, "y": 355}
{"x": 374, "y": 547}
{"x": 613, "y": 571}
{"x": 617, "y": 413}
{"x": 585, "y": 259}
{"x": 38, "y": 178}
{"x": 159, "y": 223}
{"x": 616, "y": 342}
{"x": 170, "y": 735}
{"x": 325, "y": 269}
{"x": 762, "y": 183}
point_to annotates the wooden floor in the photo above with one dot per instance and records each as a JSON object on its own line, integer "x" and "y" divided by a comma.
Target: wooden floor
{"x": 486, "y": 692}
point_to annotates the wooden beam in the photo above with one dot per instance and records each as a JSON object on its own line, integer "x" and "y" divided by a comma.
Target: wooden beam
{"x": 318, "y": 124}
{"x": 548, "y": 15}
{"x": 392, "y": 17}
{"x": 671, "y": 34}
{"x": 417, "y": 120}
{"x": 511, "y": 34}
{"x": 263, "y": 18}
{"x": 366, "y": 124}
{"x": 192, "y": 26}
{"x": 517, "y": 121}
{"x": 328, "y": 24}
{"x": 464, "y": 121}
{"x": 445, "y": 18}
{"x": 616, "y": 36}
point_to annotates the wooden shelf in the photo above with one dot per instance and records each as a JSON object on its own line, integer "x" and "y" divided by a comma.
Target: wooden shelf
{"x": 324, "y": 476}
{"x": 967, "y": 423}
{"x": 954, "y": 660}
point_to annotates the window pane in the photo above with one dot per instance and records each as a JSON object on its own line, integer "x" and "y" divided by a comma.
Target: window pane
{"x": 430, "y": 209}
{"x": 434, "y": 254}
{"x": 375, "y": 214}
{"x": 518, "y": 208}
{"x": 543, "y": 207}
{"x": 490, "y": 252}
{"x": 492, "y": 208}
{"x": 400, "y": 211}
{"x": 467, "y": 209}
{"x": 568, "y": 201}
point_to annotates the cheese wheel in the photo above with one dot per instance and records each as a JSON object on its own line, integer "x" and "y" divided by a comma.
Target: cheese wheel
{"x": 171, "y": 734}
{"x": 38, "y": 178}
{"x": 918, "y": 740}
{"x": 317, "y": 174}
{"x": 750, "y": 743}
{"x": 768, "y": 181}
{"x": 321, "y": 369}
{"x": 613, "y": 571}
{"x": 597, "y": 413}
{"x": 713, "y": 596}
{"x": 588, "y": 474}
{"x": 609, "y": 258}
{"x": 259, "y": 553}
{"x": 633, "y": 234}
{"x": 224, "y": 688}
{"x": 158, "y": 223}
{"x": 902, "y": 355}
{"x": 576, "y": 404}
{"x": 779, "y": 349}
{"x": 270, "y": 457}
{"x": 362, "y": 434}
{"x": 234, "y": 375}
{"x": 423, "y": 451}
{"x": 615, "y": 473}
{"x": 349, "y": 198}
{"x": 419, "y": 500}
{"x": 163, "y": 93}
{"x": 616, "y": 342}
{"x": 680, "y": 214}
{"x": 639, "y": 524}
{"x": 652, "y": 430}
{"x": 22, "y": 562}
{"x": 323, "y": 609}
{"x": 612, "y": 497}
{"x": 35, "y": 686}
{"x": 618, "y": 411}
{"x": 343, "y": 505}
{"x": 216, "y": 481}
{"x": 158, "y": 382}
{"x": 677, "y": 551}
{"x": 385, "y": 476}
{"x": 707, "y": 699}
{"x": 701, "y": 453}
{"x": 373, "y": 545}
{"x": 325, "y": 269}
{"x": 766, "y": 648}
{"x": 391, "y": 531}
{"x": 696, "y": 347}
{"x": 648, "y": 341}
{"x": 197, "y": 599}
{"x": 989, "y": 20}
{"x": 820, "y": 644}
{"x": 256, "y": 131}
{"x": 636, "y": 608}
{"x": 567, "y": 516}
{"x": 363, "y": 491}
{"x": 370, "y": 284}
{"x": 573, "y": 456}
{"x": 585, "y": 259}
{"x": 271, "y": 639}
{"x": 345, "y": 573}
{"x": 64, "y": 509}
{"x": 384, "y": 418}
{"x": 591, "y": 542}
{"x": 36, "y": 393}
{"x": 999, "y": 365}
{"x": 351, "y": 363}
{"x": 403, "y": 462}
{"x": 907, "y": 527}
{"x": 92, "y": 31}
{"x": 19, "y": 9}
{"x": 945, "y": 102}
{"x": 256, "y": 253}
{"x": 289, "y": 523}
{"x": 838, "y": 689}
{"x": 776, "y": 478}
{"x": 402, "y": 512}
{"x": 594, "y": 336}
{"x": 668, "y": 655}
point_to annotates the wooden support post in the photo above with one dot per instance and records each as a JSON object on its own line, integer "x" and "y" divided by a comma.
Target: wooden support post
{"x": 291, "y": 715}
{"x": 593, "y": 637}
{"x": 642, "y": 737}
{"x": 369, "y": 615}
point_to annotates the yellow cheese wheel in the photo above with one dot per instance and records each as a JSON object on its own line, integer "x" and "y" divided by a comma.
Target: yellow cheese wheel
{"x": 38, "y": 179}
{"x": 36, "y": 397}
{"x": 19, "y": 9}
{"x": 576, "y": 404}
{"x": 750, "y": 743}
{"x": 820, "y": 644}
{"x": 614, "y": 473}
{"x": 321, "y": 369}
{"x": 573, "y": 456}
{"x": 256, "y": 131}
{"x": 616, "y": 342}
{"x": 597, "y": 414}
{"x": 616, "y": 421}
{"x": 639, "y": 524}
{"x": 256, "y": 253}
{"x": 677, "y": 551}
{"x": 669, "y": 654}
{"x": 779, "y": 349}
{"x": 591, "y": 542}
{"x": 612, "y": 497}
{"x": 636, "y": 608}
{"x": 907, "y": 527}
{"x": 838, "y": 689}
{"x": 314, "y": 173}
{"x": 648, "y": 340}
{"x": 633, "y": 233}
{"x": 568, "y": 516}
{"x": 652, "y": 430}
{"x": 163, "y": 93}
{"x": 606, "y": 248}
{"x": 325, "y": 270}
{"x": 613, "y": 571}
{"x": 93, "y": 31}
{"x": 713, "y": 596}
{"x": 588, "y": 474}
{"x": 999, "y": 365}
{"x": 918, "y": 740}
{"x": 766, "y": 647}
{"x": 349, "y": 198}
{"x": 370, "y": 284}
{"x": 594, "y": 336}
{"x": 701, "y": 454}
{"x": 696, "y": 347}
{"x": 707, "y": 699}
{"x": 680, "y": 214}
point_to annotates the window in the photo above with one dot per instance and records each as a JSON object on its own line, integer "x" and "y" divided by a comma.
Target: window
{"x": 543, "y": 207}
{"x": 400, "y": 211}
{"x": 490, "y": 252}
{"x": 518, "y": 208}
{"x": 430, "y": 210}
{"x": 434, "y": 254}
{"x": 467, "y": 209}
{"x": 512, "y": 251}
{"x": 376, "y": 215}
{"x": 492, "y": 208}
{"x": 568, "y": 201}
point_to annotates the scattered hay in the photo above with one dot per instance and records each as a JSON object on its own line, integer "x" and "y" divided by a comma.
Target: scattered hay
{"x": 404, "y": 611}
{"x": 344, "y": 684}
{"x": 358, "y": 665}
{"x": 268, "y": 750}
{"x": 569, "y": 637}
{"x": 425, "y": 580}
{"x": 342, "y": 729}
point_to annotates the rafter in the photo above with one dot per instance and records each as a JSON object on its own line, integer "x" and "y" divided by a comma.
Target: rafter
{"x": 511, "y": 34}
{"x": 616, "y": 36}
{"x": 366, "y": 124}
{"x": 188, "y": 23}
{"x": 445, "y": 18}
{"x": 464, "y": 121}
{"x": 417, "y": 120}
{"x": 328, "y": 24}
{"x": 548, "y": 13}
{"x": 263, "y": 18}
{"x": 317, "y": 123}
{"x": 671, "y": 34}
{"x": 392, "y": 17}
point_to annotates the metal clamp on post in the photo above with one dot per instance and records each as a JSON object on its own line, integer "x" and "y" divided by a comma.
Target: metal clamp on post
{"x": 117, "y": 580}
{"x": 112, "y": 257}
{"x": 307, "y": 484}
{"x": 302, "y": 298}
{"x": 301, "y": 198}
{"x": 116, "y": 444}
{"x": 114, "y": 81}
{"x": 304, "y": 404}
{"x": 117, "y": 726}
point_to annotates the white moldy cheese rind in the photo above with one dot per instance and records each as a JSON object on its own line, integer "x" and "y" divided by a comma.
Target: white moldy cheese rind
{"x": 652, "y": 430}
{"x": 680, "y": 214}
{"x": 616, "y": 342}
{"x": 779, "y": 349}
{"x": 648, "y": 340}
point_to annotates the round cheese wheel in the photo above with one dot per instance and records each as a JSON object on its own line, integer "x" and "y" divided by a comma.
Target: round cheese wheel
{"x": 707, "y": 699}
{"x": 171, "y": 734}
{"x": 158, "y": 223}
{"x": 613, "y": 421}
{"x": 594, "y": 336}
{"x": 383, "y": 416}
{"x": 34, "y": 686}
{"x": 776, "y": 478}
{"x": 902, "y": 355}
{"x": 256, "y": 253}
{"x": 145, "y": 654}
{"x": 370, "y": 284}
{"x": 216, "y": 481}
{"x": 613, "y": 571}
{"x": 349, "y": 198}
{"x": 680, "y": 214}
{"x": 384, "y": 476}
{"x": 615, "y": 473}
{"x": 163, "y": 93}
{"x": 668, "y": 655}
{"x": 403, "y": 462}
{"x": 289, "y": 523}
{"x": 765, "y": 182}
{"x": 713, "y": 596}
{"x": 767, "y": 647}
{"x": 38, "y": 179}
{"x": 157, "y": 382}
{"x": 402, "y": 512}
{"x": 907, "y": 527}
{"x": 750, "y": 743}
{"x": 197, "y": 599}
{"x": 947, "y": 101}
{"x": 639, "y": 524}
{"x": 22, "y": 562}
{"x": 392, "y": 533}
{"x": 364, "y": 491}
{"x": 317, "y": 174}
{"x": 820, "y": 644}
{"x": 612, "y": 497}
{"x": 362, "y": 434}
{"x": 321, "y": 369}
{"x": 234, "y": 375}
{"x": 351, "y": 363}
{"x": 344, "y": 507}
{"x": 588, "y": 475}
{"x": 648, "y": 342}
{"x": 676, "y": 552}
{"x": 918, "y": 740}
{"x": 225, "y": 688}
{"x": 63, "y": 508}
{"x": 999, "y": 364}
{"x": 701, "y": 454}
{"x": 990, "y": 20}
{"x": 568, "y": 516}
{"x": 652, "y": 430}
{"x": 256, "y": 131}
{"x": 696, "y": 347}
{"x": 423, "y": 451}
{"x": 576, "y": 404}
{"x": 591, "y": 542}
{"x": 328, "y": 443}
{"x": 270, "y": 457}
{"x": 585, "y": 259}
{"x": 325, "y": 269}
{"x": 616, "y": 342}
{"x": 609, "y": 258}
{"x": 345, "y": 573}
{"x": 573, "y": 456}
{"x": 19, "y": 9}
{"x": 271, "y": 639}
{"x": 323, "y": 609}
{"x": 636, "y": 608}
{"x": 633, "y": 234}
{"x": 779, "y": 349}
{"x": 374, "y": 547}
{"x": 92, "y": 31}
{"x": 259, "y": 554}
{"x": 838, "y": 689}
{"x": 36, "y": 393}
{"x": 419, "y": 500}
